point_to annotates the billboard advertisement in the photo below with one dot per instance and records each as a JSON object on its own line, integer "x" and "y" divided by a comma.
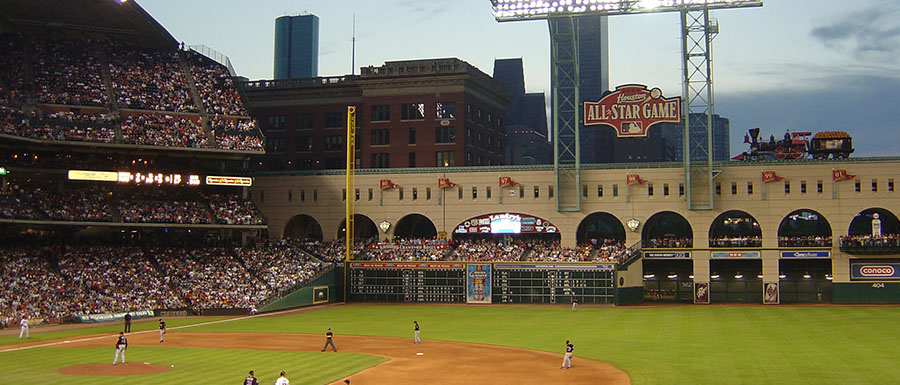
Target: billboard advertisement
{"x": 874, "y": 271}
{"x": 506, "y": 223}
{"x": 734, "y": 254}
{"x": 478, "y": 283}
{"x": 631, "y": 109}
{"x": 806, "y": 254}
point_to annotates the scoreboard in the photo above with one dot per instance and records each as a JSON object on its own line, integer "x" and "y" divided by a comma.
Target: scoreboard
{"x": 554, "y": 283}
{"x": 545, "y": 283}
{"x": 407, "y": 282}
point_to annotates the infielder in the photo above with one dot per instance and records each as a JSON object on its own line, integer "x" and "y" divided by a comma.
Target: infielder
{"x": 250, "y": 380}
{"x": 162, "y": 329}
{"x": 567, "y": 360}
{"x": 417, "y": 340}
{"x": 283, "y": 380}
{"x": 329, "y": 340}
{"x": 23, "y": 327}
{"x": 121, "y": 345}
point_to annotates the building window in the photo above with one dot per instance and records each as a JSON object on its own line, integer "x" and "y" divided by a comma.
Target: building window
{"x": 874, "y": 185}
{"x": 490, "y": 143}
{"x": 787, "y": 187}
{"x": 412, "y": 135}
{"x": 334, "y": 119}
{"x": 415, "y": 193}
{"x": 443, "y": 159}
{"x": 315, "y": 195}
{"x": 445, "y": 110}
{"x": 487, "y": 192}
{"x": 599, "y": 191}
{"x": 474, "y": 192}
{"x": 537, "y": 192}
{"x": 274, "y": 145}
{"x": 681, "y": 189}
{"x": 549, "y": 191}
{"x": 733, "y": 188}
{"x": 343, "y": 194}
{"x": 276, "y": 122}
{"x": 400, "y": 192}
{"x": 803, "y": 187}
{"x": 304, "y": 121}
{"x": 891, "y": 185}
{"x": 445, "y": 135}
{"x": 302, "y": 195}
{"x": 480, "y": 117}
{"x": 459, "y": 192}
{"x": 370, "y": 194}
{"x": 718, "y": 188}
{"x": 412, "y": 111}
{"x": 480, "y": 160}
{"x": 857, "y": 186}
{"x": 480, "y": 141}
{"x": 490, "y": 121}
{"x": 584, "y": 191}
{"x": 649, "y": 189}
{"x": 290, "y": 196}
{"x": 335, "y": 163}
{"x": 381, "y": 137}
{"x": 381, "y": 113}
{"x": 304, "y": 144}
{"x": 427, "y": 193}
{"x": 819, "y": 186}
{"x": 334, "y": 143}
{"x": 381, "y": 160}
{"x": 412, "y": 160}
{"x": 469, "y": 114}
{"x": 749, "y": 188}
{"x": 666, "y": 189}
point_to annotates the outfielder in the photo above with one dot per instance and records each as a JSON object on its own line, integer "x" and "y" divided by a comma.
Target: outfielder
{"x": 250, "y": 380}
{"x": 121, "y": 345}
{"x": 282, "y": 380}
{"x": 162, "y": 329}
{"x": 23, "y": 327}
{"x": 329, "y": 340}
{"x": 417, "y": 340}
{"x": 567, "y": 360}
{"x": 574, "y": 303}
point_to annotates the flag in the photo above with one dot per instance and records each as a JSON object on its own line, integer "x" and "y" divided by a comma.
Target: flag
{"x": 507, "y": 181}
{"x": 446, "y": 183}
{"x": 770, "y": 176}
{"x": 631, "y": 179}
{"x": 387, "y": 184}
{"x": 839, "y": 175}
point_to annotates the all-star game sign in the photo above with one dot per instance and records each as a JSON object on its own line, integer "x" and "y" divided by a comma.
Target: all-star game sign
{"x": 632, "y": 109}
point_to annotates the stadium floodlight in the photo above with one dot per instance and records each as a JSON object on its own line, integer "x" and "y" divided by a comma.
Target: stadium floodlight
{"x": 514, "y": 10}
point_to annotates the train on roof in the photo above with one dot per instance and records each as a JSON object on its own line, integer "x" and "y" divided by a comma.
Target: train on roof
{"x": 798, "y": 145}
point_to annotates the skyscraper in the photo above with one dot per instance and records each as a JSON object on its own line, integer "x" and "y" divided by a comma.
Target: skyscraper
{"x": 596, "y": 142}
{"x": 526, "y": 117}
{"x": 297, "y": 47}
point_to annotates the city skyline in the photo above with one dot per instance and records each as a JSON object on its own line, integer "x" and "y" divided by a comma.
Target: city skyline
{"x": 802, "y": 65}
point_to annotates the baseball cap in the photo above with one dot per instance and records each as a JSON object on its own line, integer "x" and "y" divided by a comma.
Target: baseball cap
{"x": 282, "y": 372}
{"x": 251, "y": 372}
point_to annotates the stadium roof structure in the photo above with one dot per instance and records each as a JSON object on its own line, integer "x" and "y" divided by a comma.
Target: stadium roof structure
{"x": 122, "y": 20}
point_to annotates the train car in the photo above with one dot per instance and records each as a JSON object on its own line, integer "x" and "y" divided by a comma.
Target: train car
{"x": 797, "y": 145}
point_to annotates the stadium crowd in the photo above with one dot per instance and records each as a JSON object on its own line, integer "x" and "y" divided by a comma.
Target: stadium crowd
{"x": 68, "y": 72}
{"x": 149, "y": 80}
{"x": 667, "y": 242}
{"x": 215, "y": 86}
{"x": 869, "y": 241}
{"x": 736, "y": 241}
{"x": 163, "y": 130}
{"x": 173, "y": 211}
{"x": 210, "y": 278}
{"x": 805, "y": 241}
{"x": 280, "y": 267}
{"x": 230, "y": 210}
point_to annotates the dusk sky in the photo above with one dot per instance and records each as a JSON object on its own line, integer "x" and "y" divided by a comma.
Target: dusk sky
{"x": 803, "y": 65}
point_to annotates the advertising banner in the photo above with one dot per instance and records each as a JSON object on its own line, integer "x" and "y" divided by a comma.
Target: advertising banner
{"x": 701, "y": 292}
{"x": 874, "y": 271}
{"x": 106, "y": 317}
{"x": 735, "y": 254}
{"x": 770, "y": 293}
{"x": 632, "y": 109}
{"x": 478, "y": 283}
{"x": 506, "y": 223}
{"x": 668, "y": 255}
{"x": 805, "y": 254}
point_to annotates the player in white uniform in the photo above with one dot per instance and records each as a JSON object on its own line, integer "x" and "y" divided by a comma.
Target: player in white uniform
{"x": 23, "y": 327}
{"x": 567, "y": 360}
{"x": 282, "y": 380}
{"x": 121, "y": 345}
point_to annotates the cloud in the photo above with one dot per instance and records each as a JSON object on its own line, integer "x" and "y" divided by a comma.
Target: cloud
{"x": 865, "y": 106}
{"x": 871, "y": 32}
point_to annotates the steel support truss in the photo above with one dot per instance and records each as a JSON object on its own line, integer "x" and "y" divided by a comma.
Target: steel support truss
{"x": 697, "y": 33}
{"x": 566, "y": 111}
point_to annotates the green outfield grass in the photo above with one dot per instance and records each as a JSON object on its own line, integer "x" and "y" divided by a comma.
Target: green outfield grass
{"x": 666, "y": 345}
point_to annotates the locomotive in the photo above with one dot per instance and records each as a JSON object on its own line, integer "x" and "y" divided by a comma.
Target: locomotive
{"x": 798, "y": 145}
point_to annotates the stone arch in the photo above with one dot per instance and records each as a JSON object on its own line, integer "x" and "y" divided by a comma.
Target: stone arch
{"x": 861, "y": 224}
{"x": 599, "y": 225}
{"x": 804, "y": 228}
{"x": 303, "y": 226}
{"x": 415, "y": 226}
{"x": 735, "y": 228}
{"x": 667, "y": 229}
{"x": 363, "y": 226}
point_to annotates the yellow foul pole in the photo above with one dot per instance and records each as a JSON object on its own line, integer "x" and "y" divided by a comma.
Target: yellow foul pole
{"x": 350, "y": 195}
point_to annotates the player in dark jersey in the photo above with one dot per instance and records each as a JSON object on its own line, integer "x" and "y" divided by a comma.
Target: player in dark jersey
{"x": 250, "y": 380}
{"x": 127, "y": 322}
{"x": 121, "y": 345}
{"x": 329, "y": 340}
{"x": 417, "y": 340}
{"x": 567, "y": 360}
{"x": 162, "y": 329}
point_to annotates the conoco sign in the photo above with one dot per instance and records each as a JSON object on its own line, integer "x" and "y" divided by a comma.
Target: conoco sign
{"x": 632, "y": 109}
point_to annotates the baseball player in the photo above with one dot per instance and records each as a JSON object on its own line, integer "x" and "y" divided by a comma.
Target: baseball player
{"x": 574, "y": 303}
{"x": 23, "y": 327}
{"x": 250, "y": 380}
{"x": 329, "y": 340}
{"x": 121, "y": 345}
{"x": 283, "y": 380}
{"x": 128, "y": 322}
{"x": 417, "y": 340}
{"x": 567, "y": 360}
{"x": 162, "y": 329}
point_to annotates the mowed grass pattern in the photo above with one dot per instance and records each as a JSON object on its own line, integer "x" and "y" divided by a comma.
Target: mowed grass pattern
{"x": 665, "y": 345}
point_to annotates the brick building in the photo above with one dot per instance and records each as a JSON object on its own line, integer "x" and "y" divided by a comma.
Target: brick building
{"x": 415, "y": 113}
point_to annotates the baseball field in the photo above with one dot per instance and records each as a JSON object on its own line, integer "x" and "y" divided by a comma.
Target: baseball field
{"x": 497, "y": 344}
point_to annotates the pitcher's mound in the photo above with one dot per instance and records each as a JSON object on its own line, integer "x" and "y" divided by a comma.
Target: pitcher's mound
{"x": 129, "y": 369}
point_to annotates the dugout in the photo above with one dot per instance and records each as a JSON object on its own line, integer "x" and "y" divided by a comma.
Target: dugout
{"x": 735, "y": 281}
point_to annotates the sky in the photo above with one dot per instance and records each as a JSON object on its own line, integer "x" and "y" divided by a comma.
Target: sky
{"x": 799, "y": 65}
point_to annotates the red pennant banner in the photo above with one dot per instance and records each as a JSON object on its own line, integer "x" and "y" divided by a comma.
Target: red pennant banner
{"x": 387, "y": 184}
{"x": 507, "y": 181}
{"x": 770, "y": 176}
{"x": 631, "y": 179}
{"x": 446, "y": 183}
{"x": 839, "y": 175}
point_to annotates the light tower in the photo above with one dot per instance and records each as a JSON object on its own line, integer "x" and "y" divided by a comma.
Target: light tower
{"x": 697, "y": 32}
